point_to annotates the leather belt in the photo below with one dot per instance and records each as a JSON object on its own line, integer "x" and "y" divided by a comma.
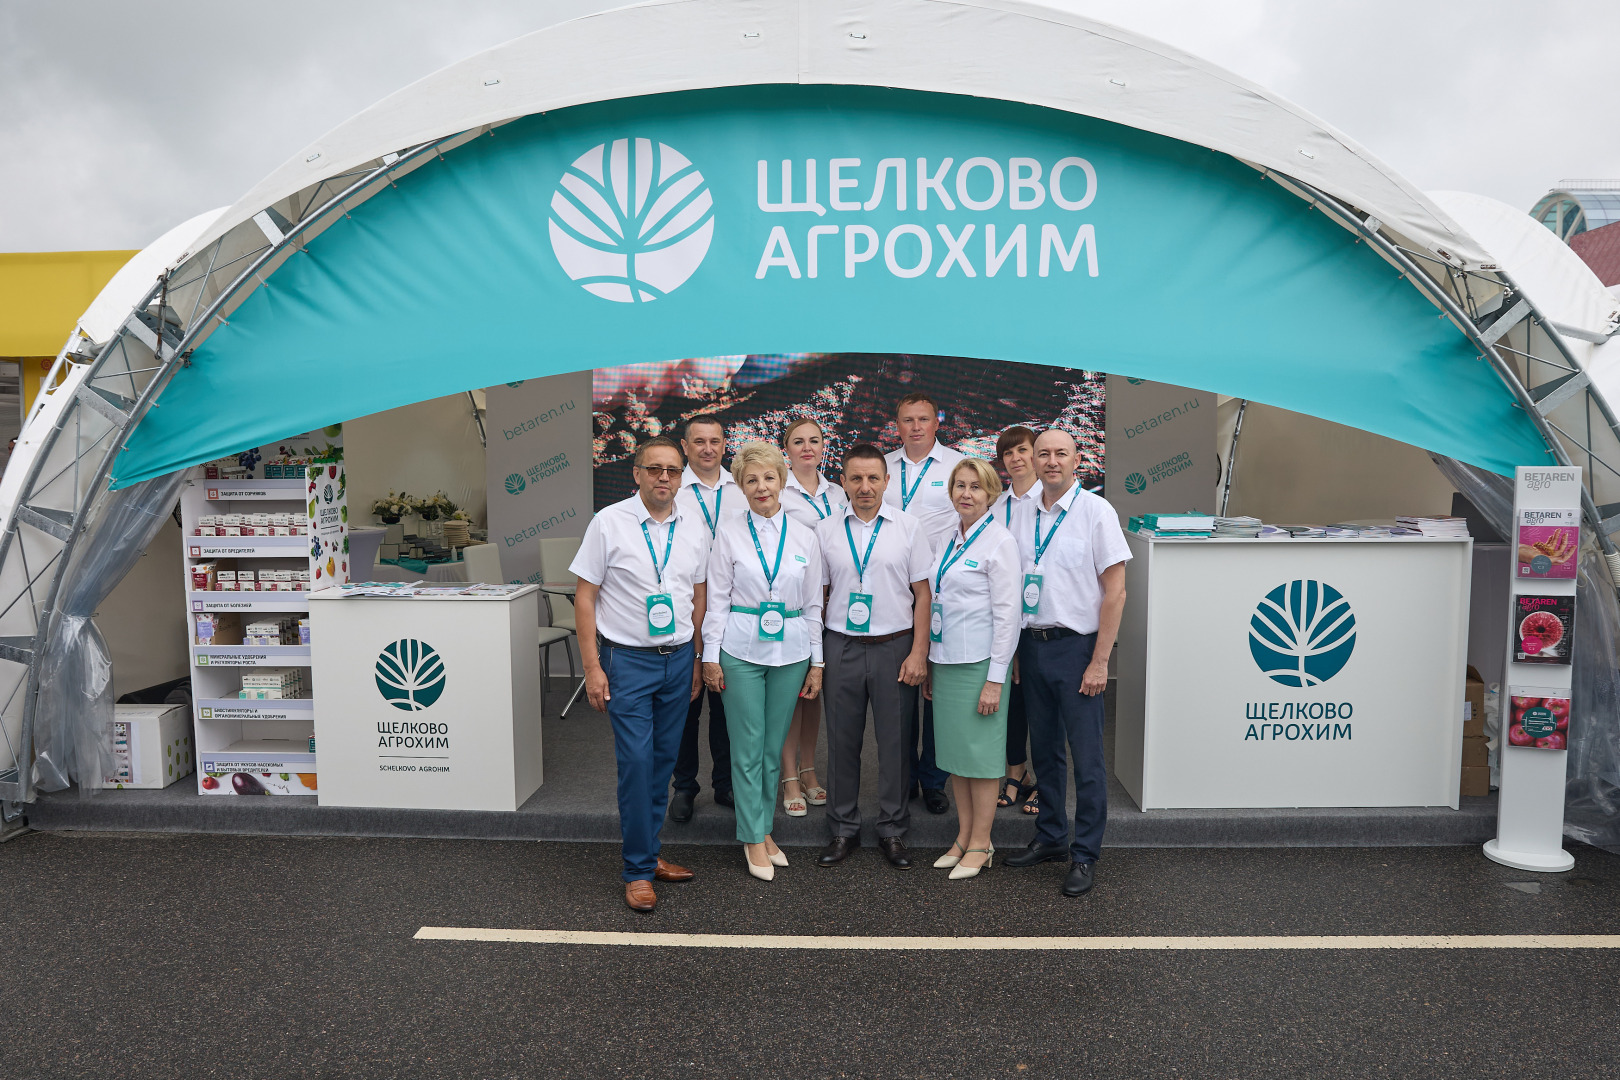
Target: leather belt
{"x": 867, "y": 639}
{"x": 1051, "y": 633}
{"x": 661, "y": 650}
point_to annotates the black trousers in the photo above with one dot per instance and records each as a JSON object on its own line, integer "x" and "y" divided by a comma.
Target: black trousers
{"x": 686, "y": 763}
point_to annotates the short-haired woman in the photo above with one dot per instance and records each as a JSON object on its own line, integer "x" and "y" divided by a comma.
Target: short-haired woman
{"x": 1015, "y": 449}
{"x": 809, "y": 498}
{"x": 761, "y": 640}
{"x": 973, "y": 634}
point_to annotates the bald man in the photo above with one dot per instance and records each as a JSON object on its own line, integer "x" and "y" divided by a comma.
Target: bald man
{"x": 1073, "y": 595}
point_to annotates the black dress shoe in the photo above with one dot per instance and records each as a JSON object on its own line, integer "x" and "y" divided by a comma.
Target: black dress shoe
{"x": 838, "y": 850}
{"x": 894, "y": 849}
{"x": 723, "y": 798}
{"x": 1038, "y": 853}
{"x": 1081, "y": 878}
{"x": 935, "y": 800}
{"x": 680, "y": 806}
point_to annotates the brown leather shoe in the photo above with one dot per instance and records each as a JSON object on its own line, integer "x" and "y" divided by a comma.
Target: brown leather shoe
{"x": 640, "y": 896}
{"x": 668, "y": 871}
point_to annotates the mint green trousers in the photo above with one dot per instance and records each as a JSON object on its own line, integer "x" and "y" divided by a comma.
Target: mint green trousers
{"x": 759, "y": 710}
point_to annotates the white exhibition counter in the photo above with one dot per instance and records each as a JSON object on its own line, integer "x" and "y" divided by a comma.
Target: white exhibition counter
{"x": 1283, "y": 673}
{"x": 427, "y": 702}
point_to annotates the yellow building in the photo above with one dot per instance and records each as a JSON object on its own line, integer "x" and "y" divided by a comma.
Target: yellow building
{"x": 42, "y": 294}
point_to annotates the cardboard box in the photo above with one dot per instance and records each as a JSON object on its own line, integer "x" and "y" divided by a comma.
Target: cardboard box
{"x": 1474, "y": 696}
{"x": 1476, "y": 780}
{"x": 1475, "y": 752}
{"x": 151, "y": 746}
{"x": 218, "y": 628}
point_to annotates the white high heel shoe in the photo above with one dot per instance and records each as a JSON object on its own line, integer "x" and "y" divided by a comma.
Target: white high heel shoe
{"x": 764, "y": 873}
{"x": 961, "y": 873}
{"x": 777, "y": 857}
{"x": 947, "y": 860}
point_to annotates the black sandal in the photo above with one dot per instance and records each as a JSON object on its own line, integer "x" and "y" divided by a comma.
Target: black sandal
{"x": 1032, "y": 805}
{"x": 1021, "y": 791}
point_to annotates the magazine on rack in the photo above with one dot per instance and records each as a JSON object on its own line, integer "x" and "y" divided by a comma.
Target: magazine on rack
{"x": 1549, "y": 541}
{"x": 1540, "y": 718}
{"x": 1544, "y": 629}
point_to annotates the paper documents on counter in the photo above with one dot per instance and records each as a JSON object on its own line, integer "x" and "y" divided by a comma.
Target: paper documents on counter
{"x": 1435, "y": 526}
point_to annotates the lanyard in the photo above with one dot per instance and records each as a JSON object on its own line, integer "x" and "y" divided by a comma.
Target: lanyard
{"x": 948, "y": 560}
{"x": 905, "y": 495}
{"x": 817, "y": 507}
{"x": 770, "y": 572}
{"x": 669, "y": 545}
{"x": 860, "y": 562}
{"x": 1040, "y": 548}
{"x": 1009, "y": 509}
{"x": 719, "y": 492}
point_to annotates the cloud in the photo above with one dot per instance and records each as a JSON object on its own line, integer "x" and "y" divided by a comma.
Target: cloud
{"x": 123, "y": 119}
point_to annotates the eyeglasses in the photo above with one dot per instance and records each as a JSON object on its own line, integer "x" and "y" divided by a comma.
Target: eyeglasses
{"x": 661, "y": 471}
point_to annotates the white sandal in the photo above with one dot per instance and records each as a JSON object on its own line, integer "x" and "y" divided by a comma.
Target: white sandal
{"x": 817, "y": 796}
{"x": 795, "y": 806}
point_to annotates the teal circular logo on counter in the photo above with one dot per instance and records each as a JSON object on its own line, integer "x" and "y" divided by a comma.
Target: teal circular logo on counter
{"x": 410, "y": 674}
{"x": 1302, "y": 633}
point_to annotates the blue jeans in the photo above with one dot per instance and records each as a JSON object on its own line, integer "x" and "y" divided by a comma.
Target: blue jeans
{"x": 647, "y": 708}
{"x": 1062, "y": 719}
{"x": 923, "y": 770}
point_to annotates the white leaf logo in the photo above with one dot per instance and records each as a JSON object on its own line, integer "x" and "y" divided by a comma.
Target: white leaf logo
{"x": 631, "y": 220}
{"x": 410, "y": 674}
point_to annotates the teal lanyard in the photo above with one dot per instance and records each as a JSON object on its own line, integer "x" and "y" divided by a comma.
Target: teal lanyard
{"x": 1009, "y": 509}
{"x": 861, "y": 563}
{"x": 905, "y": 495}
{"x": 1040, "y": 548}
{"x": 948, "y": 560}
{"x": 669, "y": 545}
{"x": 770, "y": 572}
{"x": 719, "y": 492}
{"x": 825, "y": 502}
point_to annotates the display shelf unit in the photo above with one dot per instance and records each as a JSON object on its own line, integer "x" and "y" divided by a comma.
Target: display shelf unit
{"x": 259, "y": 746}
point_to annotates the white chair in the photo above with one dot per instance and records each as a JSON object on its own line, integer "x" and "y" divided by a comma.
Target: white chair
{"x": 556, "y": 555}
{"x": 483, "y": 564}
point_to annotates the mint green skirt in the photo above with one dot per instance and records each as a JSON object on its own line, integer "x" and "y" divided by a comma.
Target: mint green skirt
{"x": 965, "y": 743}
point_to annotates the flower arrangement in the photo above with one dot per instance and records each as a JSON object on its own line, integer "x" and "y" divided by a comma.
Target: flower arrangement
{"x": 460, "y": 515}
{"x": 436, "y": 506}
{"x": 392, "y": 507}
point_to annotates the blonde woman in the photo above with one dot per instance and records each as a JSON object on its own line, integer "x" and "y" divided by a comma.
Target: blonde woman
{"x": 761, "y": 640}
{"x": 973, "y": 635}
{"x": 809, "y": 498}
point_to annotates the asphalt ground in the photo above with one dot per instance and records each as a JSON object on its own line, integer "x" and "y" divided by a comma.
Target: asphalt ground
{"x": 221, "y": 956}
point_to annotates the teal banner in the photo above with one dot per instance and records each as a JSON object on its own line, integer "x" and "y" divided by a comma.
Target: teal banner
{"x": 831, "y": 219}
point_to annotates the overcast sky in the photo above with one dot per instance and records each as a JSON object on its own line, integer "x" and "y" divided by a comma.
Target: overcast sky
{"x": 121, "y": 119}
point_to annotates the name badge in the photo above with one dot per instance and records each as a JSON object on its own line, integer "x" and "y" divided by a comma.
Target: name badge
{"x": 660, "y": 615}
{"x": 859, "y": 619}
{"x": 772, "y": 620}
{"x": 1032, "y": 594}
{"x": 936, "y": 621}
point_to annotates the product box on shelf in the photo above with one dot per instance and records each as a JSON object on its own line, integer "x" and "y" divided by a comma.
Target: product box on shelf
{"x": 151, "y": 746}
{"x": 218, "y": 628}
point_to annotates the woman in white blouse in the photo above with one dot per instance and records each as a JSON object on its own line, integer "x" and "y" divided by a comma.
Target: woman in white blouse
{"x": 973, "y": 634}
{"x": 761, "y": 640}
{"x": 809, "y": 498}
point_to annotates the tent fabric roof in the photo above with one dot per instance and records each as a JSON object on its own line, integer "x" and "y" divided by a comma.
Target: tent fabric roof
{"x": 1007, "y": 49}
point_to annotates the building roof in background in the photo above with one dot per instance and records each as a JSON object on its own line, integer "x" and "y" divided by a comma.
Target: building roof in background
{"x": 1575, "y": 206}
{"x": 1600, "y": 249}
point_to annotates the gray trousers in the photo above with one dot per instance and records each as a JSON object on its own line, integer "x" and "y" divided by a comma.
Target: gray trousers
{"x": 859, "y": 675}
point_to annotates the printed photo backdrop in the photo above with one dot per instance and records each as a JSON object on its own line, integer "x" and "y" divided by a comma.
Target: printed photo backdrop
{"x": 851, "y": 394}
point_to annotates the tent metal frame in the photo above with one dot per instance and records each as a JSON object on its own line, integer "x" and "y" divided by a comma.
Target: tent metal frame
{"x": 109, "y": 387}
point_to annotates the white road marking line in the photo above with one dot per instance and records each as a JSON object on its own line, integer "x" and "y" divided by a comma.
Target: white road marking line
{"x": 1015, "y": 944}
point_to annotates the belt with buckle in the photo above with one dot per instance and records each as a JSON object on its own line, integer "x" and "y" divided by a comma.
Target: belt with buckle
{"x": 1051, "y": 633}
{"x": 868, "y": 639}
{"x": 661, "y": 650}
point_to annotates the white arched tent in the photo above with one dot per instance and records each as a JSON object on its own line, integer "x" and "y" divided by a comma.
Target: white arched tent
{"x": 1157, "y": 217}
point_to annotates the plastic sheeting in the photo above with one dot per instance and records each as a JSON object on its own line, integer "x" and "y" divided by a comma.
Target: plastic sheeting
{"x": 73, "y": 718}
{"x": 1592, "y": 780}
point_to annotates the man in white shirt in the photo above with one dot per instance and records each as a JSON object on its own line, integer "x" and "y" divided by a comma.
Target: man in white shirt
{"x": 875, "y": 565}
{"x": 641, "y": 570}
{"x": 1074, "y": 557}
{"x": 708, "y": 496}
{"x": 919, "y": 485}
